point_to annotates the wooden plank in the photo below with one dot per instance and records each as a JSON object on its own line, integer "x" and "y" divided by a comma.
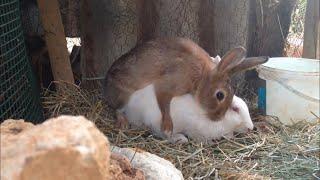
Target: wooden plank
{"x": 56, "y": 40}
{"x": 311, "y": 30}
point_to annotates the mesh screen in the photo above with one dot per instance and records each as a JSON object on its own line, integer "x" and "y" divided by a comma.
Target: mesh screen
{"x": 19, "y": 96}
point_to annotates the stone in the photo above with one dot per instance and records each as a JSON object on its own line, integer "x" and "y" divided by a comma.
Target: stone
{"x": 121, "y": 169}
{"x": 12, "y": 126}
{"x": 153, "y": 167}
{"x": 66, "y": 147}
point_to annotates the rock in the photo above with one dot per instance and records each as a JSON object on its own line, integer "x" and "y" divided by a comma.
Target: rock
{"x": 154, "y": 167}
{"x": 67, "y": 147}
{"x": 121, "y": 168}
{"x": 12, "y": 126}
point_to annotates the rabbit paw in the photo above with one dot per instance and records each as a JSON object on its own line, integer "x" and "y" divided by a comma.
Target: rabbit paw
{"x": 121, "y": 121}
{"x": 229, "y": 135}
{"x": 178, "y": 139}
{"x": 167, "y": 127}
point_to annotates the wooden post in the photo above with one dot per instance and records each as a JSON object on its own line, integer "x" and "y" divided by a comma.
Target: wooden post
{"x": 311, "y": 47}
{"x": 56, "y": 40}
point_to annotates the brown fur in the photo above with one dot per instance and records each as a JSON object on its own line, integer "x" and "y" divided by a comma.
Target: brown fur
{"x": 175, "y": 66}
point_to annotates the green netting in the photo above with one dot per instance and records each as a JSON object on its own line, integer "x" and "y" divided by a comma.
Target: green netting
{"x": 19, "y": 96}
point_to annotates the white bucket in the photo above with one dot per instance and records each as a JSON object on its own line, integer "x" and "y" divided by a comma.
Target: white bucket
{"x": 292, "y": 88}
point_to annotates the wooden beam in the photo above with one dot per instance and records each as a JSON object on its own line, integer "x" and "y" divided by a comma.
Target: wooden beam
{"x": 311, "y": 40}
{"x": 55, "y": 40}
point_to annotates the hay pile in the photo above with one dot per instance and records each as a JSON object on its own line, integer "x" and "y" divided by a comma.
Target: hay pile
{"x": 271, "y": 151}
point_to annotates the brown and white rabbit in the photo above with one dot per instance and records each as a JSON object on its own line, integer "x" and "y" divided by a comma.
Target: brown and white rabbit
{"x": 188, "y": 117}
{"x": 176, "y": 66}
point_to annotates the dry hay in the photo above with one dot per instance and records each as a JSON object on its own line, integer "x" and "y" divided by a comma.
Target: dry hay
{"x": 272, "y": 151}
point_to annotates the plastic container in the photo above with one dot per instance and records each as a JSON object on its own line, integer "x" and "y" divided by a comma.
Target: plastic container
{"x": 292, "y": 88}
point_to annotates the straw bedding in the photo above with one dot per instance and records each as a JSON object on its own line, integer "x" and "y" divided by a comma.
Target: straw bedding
{"x": 271, "y": 151}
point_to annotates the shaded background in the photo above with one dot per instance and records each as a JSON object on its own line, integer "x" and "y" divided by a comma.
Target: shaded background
{"x": 110, "y": 28}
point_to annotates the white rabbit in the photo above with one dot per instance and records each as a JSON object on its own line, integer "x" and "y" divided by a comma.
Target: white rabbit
{"x": 188, "y": 117}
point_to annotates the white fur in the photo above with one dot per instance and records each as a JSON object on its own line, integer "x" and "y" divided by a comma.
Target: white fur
{"x": 187, "y": 115}
{"x": 216, "y": 59}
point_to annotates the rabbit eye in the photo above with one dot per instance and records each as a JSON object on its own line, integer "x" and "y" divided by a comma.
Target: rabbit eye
{"x": 220, "y": 95}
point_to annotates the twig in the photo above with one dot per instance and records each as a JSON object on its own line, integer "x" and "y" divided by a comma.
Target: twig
{"x": 206, "y": 175}
{"x": 193, "y": 154}
{"x": 315, "y": 115}
{"x": 280, "y": 27}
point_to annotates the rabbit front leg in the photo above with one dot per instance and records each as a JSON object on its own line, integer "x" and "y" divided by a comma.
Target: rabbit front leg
{"x": 165, "y": 89}
{"x": 169, "y": 86}
{"x": 164, "y": 101}
{"x": 164, "y": 98}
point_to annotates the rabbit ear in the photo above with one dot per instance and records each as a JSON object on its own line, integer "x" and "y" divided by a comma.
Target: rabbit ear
{"x": 248, "y": 63}
{"x": 231, "y": 59}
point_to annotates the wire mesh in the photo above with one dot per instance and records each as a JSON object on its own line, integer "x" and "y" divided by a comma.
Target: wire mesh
{"x": 19, "y": 95}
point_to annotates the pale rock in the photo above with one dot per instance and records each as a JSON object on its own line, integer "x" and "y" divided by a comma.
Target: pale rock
{"x": 12, "y": 126}
{"x": 154, "y": 167}
{"x": 121, "y": 169}
{"x": 66, "y": 147}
